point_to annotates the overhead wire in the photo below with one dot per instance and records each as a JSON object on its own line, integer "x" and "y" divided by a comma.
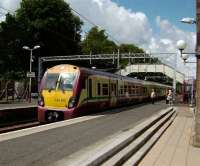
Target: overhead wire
{"x": 8, "y": 10}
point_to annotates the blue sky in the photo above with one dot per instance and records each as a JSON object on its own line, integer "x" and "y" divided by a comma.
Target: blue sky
{"x": 172, "y": 10}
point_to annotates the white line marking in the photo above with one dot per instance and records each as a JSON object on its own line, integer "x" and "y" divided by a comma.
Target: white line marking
{"x": 17, "y": 107}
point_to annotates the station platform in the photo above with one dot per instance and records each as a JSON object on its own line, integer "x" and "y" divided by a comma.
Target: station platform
{"x": 17, "y": 104}
{"x": 174, "y": 148}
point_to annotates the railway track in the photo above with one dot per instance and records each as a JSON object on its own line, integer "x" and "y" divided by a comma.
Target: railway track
{"x": 18, "y": 126}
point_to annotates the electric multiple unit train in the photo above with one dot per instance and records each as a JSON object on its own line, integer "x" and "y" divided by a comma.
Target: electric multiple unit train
{"x": 68, "y": 91}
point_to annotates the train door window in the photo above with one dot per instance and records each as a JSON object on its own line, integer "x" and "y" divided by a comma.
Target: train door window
{"x": 111, "y": 89}
{"x": 139, "y": 90}
{"x": 117, "y": 93}
{"x": 145, "y": 90}
{"x": 90, "y": 88}
{"x": 133, "y": 89}
{"x": 129, "y": 89}
{"x": 115, "y": 89}
{"x": 136, "y": 90}
{"x": 105, "y": 89}
{"x": 125, "y": 88}
{"x": 121, "y": 90}
{"x": 84, "y": 83}
{"x": 99, "y": 89}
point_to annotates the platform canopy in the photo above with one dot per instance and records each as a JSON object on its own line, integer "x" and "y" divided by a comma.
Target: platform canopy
{"x": 153, "y": 68}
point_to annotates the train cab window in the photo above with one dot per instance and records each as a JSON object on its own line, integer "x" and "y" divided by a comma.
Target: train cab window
{"x": 51, "y": 81}
{"x": 105, "y": 89}
{"x": 66, "y": 81}
{"x": 99, "y": 89}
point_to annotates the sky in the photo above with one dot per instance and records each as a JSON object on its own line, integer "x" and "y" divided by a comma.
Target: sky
{"x": 172, "y": 10}
{"x": 153, "y": 25}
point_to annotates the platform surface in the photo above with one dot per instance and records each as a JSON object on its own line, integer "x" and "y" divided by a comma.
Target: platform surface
{"x": 175, "y": 146}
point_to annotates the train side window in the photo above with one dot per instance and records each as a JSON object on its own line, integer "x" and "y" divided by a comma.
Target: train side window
{"x": 99, "y": 89}
{"x": 105, "y": 89}
{"x": 90, "y": 88}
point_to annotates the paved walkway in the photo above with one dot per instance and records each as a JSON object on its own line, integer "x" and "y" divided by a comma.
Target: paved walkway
{"x": 174, "y": 148}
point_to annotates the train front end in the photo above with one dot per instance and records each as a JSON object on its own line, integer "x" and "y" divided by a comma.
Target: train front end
{"x": 58, "y": 99}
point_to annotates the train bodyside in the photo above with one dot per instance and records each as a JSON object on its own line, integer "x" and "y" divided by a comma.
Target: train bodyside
{"x": 87, "y": 90}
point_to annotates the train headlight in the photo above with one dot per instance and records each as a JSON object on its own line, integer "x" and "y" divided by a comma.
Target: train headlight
{"x": 41, "y": 101}
{"x": 72, "y": 102}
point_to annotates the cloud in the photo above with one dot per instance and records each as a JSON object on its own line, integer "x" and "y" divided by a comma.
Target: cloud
{"x": 124, "y": 25}
{"x": 128, "y": 26}
{"x": 173, "y": 34}
{"x": 10, "y": 4}
{"x": 166, "y": 40}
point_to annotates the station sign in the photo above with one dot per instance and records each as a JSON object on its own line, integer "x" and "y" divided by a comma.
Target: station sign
{"x": 30, "y": 74}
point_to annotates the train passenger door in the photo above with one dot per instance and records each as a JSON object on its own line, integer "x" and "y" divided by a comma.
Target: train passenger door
{"x": 113, "y": 93}
{"x": 89, "y": 88}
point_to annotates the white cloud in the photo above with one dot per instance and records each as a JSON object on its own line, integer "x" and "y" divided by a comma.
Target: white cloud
{"x": 127, "y": 26}
{"x": 173, "y": 34}
{"x": 124, "y": 25}
{"x": 10, "y": 4}
{"x": 133, "y": 27}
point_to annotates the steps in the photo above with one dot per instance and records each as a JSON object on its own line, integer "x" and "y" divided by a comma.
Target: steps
{"x": 125, "y": 148}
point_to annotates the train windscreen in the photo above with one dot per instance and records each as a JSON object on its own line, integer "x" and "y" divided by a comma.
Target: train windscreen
{"x": 66, "y": 81}
{"x": 63, "y": 81}
{"x": 51, "y": 81}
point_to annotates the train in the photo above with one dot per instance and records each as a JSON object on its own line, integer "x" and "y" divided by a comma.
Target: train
{"x": 68, "y": 91}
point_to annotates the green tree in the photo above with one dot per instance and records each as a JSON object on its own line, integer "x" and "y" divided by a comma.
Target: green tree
{"x": 48, "y": 23}
{"x": 130, "y": 48}
{"x": 96, "y": 42}
{"x": 52, "y": 25}
{"x": 11, "y": 59}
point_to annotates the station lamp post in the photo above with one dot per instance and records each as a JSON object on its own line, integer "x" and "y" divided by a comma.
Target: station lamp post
{"x": 30, "y": 69}
{"x": 181, "y": 45}
{"x": 188, "y": 20}
{"x": 196, "y": 141}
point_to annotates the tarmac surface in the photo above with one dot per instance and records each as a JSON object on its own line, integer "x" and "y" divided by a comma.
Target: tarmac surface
{"x": 174, "y": 148}
{"x": 49, "y": 146}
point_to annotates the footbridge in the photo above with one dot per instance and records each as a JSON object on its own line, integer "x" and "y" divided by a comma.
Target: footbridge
{"x": 153, "y": 68}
